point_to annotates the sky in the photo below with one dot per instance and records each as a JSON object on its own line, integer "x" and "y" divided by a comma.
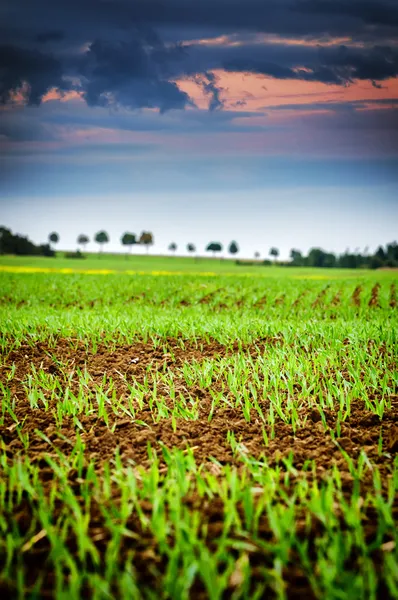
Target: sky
{"x": 268, "y": 122}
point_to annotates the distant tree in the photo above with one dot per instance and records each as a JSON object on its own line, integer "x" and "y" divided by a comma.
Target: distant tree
{"x": 297, "y": 258}
{"x": 101, "y": 238}
{"x": 83, "y": 240}
{"x": 128, "y": 239}
{"x": 376, "y": 262}
{"x": 214, "y": 247}
{"x": 21, "y": 246}
{"x": 146, "y": 238}
{"x": 233, "y": 248}
{"x": 392, "y": 254}
{"x": 257, "y": 255}
{"x": 53, "y": 238}
{"x": 316, "y": 257}
{"x": 173, "y": 247}
{"x": 380, "y": 253}
{"x": 319, "y": 258}
{"x": 345, "y": 261}
{"x": 329, "y": 260}
{"x": 191, "y": 249}
{"x": 274, "y": 252}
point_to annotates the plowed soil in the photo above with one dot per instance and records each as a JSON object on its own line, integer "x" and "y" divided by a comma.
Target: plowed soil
{"x": 361, "y": 431}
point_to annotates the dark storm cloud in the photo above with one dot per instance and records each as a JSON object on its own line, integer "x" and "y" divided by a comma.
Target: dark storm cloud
{"x": 333, "y": 65}
{"x": 338, "y": 64}
{"x": 40, "y": 70}
{"x": 50, "y": 36}
{"x": 135, "y": 73}
{"x": 366, "y": 11}
{"x": 283, "y": 17}
{"x": 371, "y": 114}
{"x": 208, "y": 82}
{"x": 336, "y": 106}
{"x": 23, "y": 126}
{"x": 127, "y": 64}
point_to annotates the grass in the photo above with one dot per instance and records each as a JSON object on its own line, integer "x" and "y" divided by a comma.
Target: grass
{"x": 171, "y": 264}
{"x": 198, "y": 436}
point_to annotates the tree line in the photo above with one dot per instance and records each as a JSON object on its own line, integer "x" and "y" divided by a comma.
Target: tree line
{"x": 19, "y": 245}
{"x": 386, "y": 256}
{"x": 102, "y": 237}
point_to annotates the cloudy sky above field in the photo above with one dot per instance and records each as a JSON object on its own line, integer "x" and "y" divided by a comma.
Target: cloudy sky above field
{"x": 273, "y": 122}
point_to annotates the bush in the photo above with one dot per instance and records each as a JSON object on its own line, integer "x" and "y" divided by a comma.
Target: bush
{"x": 254, "y": 263}
{"x": 76, "y": 254}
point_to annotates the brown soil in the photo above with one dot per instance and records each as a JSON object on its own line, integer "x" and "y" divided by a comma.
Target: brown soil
{"x": 261, "y": 302}
{"x": 280, "y": 300}
{"x": 336, "y": 300}
{"x": 393, "y": 296}
{"x": 356, "y": 296}
{"x": 129, "y": 363}
{"x": 360, "y": 432}
{"x": 374, "y": 299}
{"x": 209, "y": 297}
{"x": 299, "y": 298}
{"x": 319, "y": 299}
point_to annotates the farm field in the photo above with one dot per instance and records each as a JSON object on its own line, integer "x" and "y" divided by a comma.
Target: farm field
{"x": 192, "y": 435}
{"x": 141, "y": 264}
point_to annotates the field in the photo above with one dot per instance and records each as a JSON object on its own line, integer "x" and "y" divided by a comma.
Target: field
{"x": 197, "y": 430}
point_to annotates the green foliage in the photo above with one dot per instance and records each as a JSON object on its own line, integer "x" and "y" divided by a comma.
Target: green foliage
{"x": 21, "y": 246}
{"x": 296, "y": 258}
{"x": 54, "y": 237}
{"x": 191, "y": 247}
{"x": 317, "y": 257}
{"x": 83, "y": 239}
{"x": 129, "y": 239}
{"x": 101, "y": 238}
{"x": 233, "y": 248}
{"x": 214, "y": 247}
{"x": 147, "y": 239}
{"x": 172, "y": 247}
{"x": 74, "y": 255}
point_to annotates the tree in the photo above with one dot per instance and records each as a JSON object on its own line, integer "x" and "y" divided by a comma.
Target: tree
{"x": 233, "y": 248}
{"x": 380, "y": 254}
{"x": 274, "y": 252}
{"x": 101, "y": 238}
{"x": 257, "y": 255}
{"x": 376, "y": 262}
{"x": 316, "y": 257}
{"x": 319, "y": 258}
{"x": 53, "y": 238}
{"x": 191, "y": 248}
{"x": 146, "y": 238}
{"x": 392, "y": 254}
{"x": 214, "y": 247}
{"x": 346, "y": 261}
{"x": 21, "y": 246}
{"x": 173, "y": 247}
{"x": 83, "y": 240}
{"x": 128, "y": 239}
{"x": 297, "y": 258}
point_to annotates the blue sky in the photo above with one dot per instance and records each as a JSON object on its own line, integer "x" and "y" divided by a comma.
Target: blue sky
{"x": 272, "y": 123}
